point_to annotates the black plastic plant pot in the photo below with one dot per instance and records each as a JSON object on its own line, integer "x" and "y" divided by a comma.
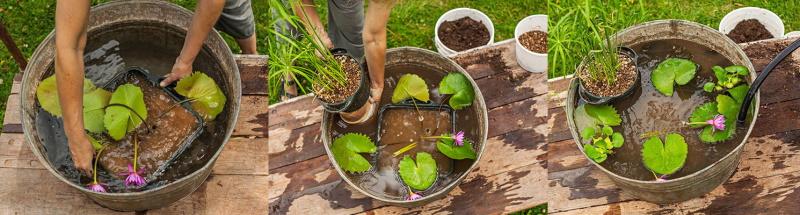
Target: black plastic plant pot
{"x": 358, "y": 98}
{"x": 154, "y": 80}
{"x": 592, "y": 98}
{"x": 419, "y": 106}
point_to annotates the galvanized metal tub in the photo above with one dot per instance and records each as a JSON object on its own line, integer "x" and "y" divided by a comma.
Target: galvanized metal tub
{"x": 706, "y": 179}
{"x": 426, "y": 58}
{"x": 119, "y": 16}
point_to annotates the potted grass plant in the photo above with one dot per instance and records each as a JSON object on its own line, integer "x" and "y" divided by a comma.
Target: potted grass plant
{"x": 337, "y": 79}
{"x": 608, "y": 73}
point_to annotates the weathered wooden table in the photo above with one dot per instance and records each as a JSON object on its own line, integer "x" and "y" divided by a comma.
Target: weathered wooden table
{"x": 511, "y": 175}
{"x": 767, "y": 179}
{"x": 237, "y": 184}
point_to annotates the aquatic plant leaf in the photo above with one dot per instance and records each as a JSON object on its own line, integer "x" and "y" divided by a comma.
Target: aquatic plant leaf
{"x": 121, "y": 120}
{"x": 94, "y": 104}
{"x": 727, "y": 107}
{"x": 738, "y": 93}
{"x": 607, "y": 130}
{"x": 617, "y": 140}
{"x": 452, "y": 151}
{"x": 679, "y": 70}
{"x": 459, "y": 86}
{"x": 605, "y": 114}
{"x": 346, "y": 151}
{"x": 582, "y": 119}
{"x": 703, "y": 113}
{"x": 709, "y": 135}
{"x": 587, "y": 133}
{"x": 410, "y": 86}
{"x": 47, "y": 94}
{"x": 709, "y": 87}
{"x": 665, "y": 158}
{"x": 419, "y": 175}
{"x": 720, "y": 73}
{"x": 737, "y": 69}
{"x": 95, "y": 144}
{"x": 208, "y": 97}
{"x": 594, "y": 153}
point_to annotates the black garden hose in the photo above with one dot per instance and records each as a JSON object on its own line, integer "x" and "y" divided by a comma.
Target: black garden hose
{"x": 760, "y": 79}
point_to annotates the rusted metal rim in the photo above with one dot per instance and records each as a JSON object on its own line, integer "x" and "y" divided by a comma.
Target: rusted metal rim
{"x": 739, "y": 57}
{"x": 44, "y": 54}
{"x": 482, "y": 118}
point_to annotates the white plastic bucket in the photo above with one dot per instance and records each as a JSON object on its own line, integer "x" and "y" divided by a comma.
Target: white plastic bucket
{"x": 770, "y": 20}
{"x": 459, "y": 13}
{"x": 792, "y": 34}
{"x": 527, "y": 59}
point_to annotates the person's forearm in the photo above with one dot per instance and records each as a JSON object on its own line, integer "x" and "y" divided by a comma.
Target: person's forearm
{"x": 374, "y": 35}
{"x": 206, "y": 14}
{"x": 305, "y": 9}
{"x": 71, "y": 18}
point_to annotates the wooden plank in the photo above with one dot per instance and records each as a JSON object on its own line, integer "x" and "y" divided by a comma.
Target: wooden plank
{"x": 12, "y": 122}
{"x": 15, "y": 153}
{"x": 223, "y": 194}
{"x": 253, "y": 117}
{"x": 253, "y": 73}
{"x": 243, "y": 156}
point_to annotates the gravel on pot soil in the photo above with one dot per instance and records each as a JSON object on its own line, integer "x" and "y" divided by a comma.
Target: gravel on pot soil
{"x": 463, "y": 34}
{"x": 535, "y": 41}
{"x": 749, "y": 30}
{"x": 339, "y": 93}
{"x": 626, "y": 75}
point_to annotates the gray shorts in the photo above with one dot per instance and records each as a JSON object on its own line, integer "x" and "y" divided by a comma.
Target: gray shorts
{"x": 345, "y": 24}
{"x": 237, "y": 19}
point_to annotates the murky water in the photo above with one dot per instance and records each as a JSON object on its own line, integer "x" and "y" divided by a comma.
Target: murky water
{"x": 647, "y": 112}
{"x": 401, "y": 126}
{"x": 110, "y": 51}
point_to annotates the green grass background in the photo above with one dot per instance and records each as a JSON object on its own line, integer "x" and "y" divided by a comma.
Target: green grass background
{"x": 30, "y": 21}
{"x": 568, "y": 25}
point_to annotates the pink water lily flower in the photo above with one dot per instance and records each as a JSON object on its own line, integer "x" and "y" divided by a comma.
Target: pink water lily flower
{"x": 134, "y": 177}
{"x": 717, "y": 123}
{"x": 96, "y": 187}
{"x": 459, "y": 138}
{"x": 413, "y": 196}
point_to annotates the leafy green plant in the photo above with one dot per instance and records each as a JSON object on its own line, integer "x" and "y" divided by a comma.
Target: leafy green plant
{"x": 94, "y": 109}
{"x": 126, "y": 111}
{"x": 666, "y": 157}
{"x": 672, "y": 71}
{"x": 410, "y": 86}
{"x": 418, "y": 175}
{"x": 727, "y": 78}
{"x": 458, "y": 85}
{"x": 602, "y": 65}
{"x": 599, "y": 137}
{"x": 455, "y": 146}
{"x": 203, "y": 93}
{"x": 346, "y": 151}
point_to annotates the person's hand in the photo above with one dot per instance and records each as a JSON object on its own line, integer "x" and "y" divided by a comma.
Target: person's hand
{"x": 82, "y": 153}
{"x": 180, "y": 69}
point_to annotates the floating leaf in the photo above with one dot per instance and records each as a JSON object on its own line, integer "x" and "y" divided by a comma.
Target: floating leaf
{"x": 452, "y": 151}
{"x": 738, "y": 93}
{"x": 208, "y": 97}
{"x": 95, "y": 144}
{"x": 737, "y": 69}
{"x": 703, "y": 113}
{"x": 594, "y": 153}
{"x": 47, "y": 94}
{"x": 410, "y": 86}
{"x": 346, "y": 151}
{"x": 709, "y": 87}
{"x": 672, "y": 70}
{"x": 708, "y": 135}
{"x": 120, "y": 118}
{"x": 587, "y": 133}
{"x": 459, "y": 86}
{"x": 727, "y": 107}
{"x": 666, "y": 158}
{"x": 94, "y": 104}
{"x": 617, "y": 140}
{"x": 419, "y": 175}
{"x": 605, "y": 114}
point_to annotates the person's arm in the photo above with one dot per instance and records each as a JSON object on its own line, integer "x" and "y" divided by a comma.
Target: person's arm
{"x": 205, "y": 16}
{"x": 374, "y": 35}
{"x": 308, "y": 14}
{"x": 71, "y": 18}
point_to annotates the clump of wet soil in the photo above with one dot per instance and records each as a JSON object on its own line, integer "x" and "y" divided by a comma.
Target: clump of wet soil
{"x": 462, "y": 34}
{"x": 626, "y": 76}
{"x": 535, "y": 41}
{"x": 338, "y": 93}
{"x": 749, "y": 30}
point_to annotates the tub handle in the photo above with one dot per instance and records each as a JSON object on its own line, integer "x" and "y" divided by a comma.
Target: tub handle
{"x": 760, "y": 79}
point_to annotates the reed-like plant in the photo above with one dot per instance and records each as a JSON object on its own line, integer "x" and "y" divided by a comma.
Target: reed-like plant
{"x": 296, "y": 53}
{"x": 602, "y": 64}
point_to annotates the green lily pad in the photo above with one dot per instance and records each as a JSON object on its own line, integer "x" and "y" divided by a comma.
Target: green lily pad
{"x": 459, "y": 86}
{"x": 598, "y": 155}
{"x": 346, "y": 151}
{"x": 410, "y": 86}
{"x": 418, "y": 175}
{"x": 665, "y": 158}
{"x": 738, "y": 93}
{"x": 727, "y": 106}
{"x": 605, "y": 114}
{"x": 47, "y": 94}
{"x": 617, "y": 140}
{"x": 703, "y": 113}
{"x": 95, "y": 144}
{"x": 672, "y": 71}
{"x": 94, "y": 104}
{"x": 208, "y": 97}
{"x": 120, "y": 120}
{"x": 452, "y": 151}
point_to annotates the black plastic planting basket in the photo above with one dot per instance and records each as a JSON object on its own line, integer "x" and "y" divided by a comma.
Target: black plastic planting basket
{"x": 422, "y": 106}
{"x": 119, "y": 79}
